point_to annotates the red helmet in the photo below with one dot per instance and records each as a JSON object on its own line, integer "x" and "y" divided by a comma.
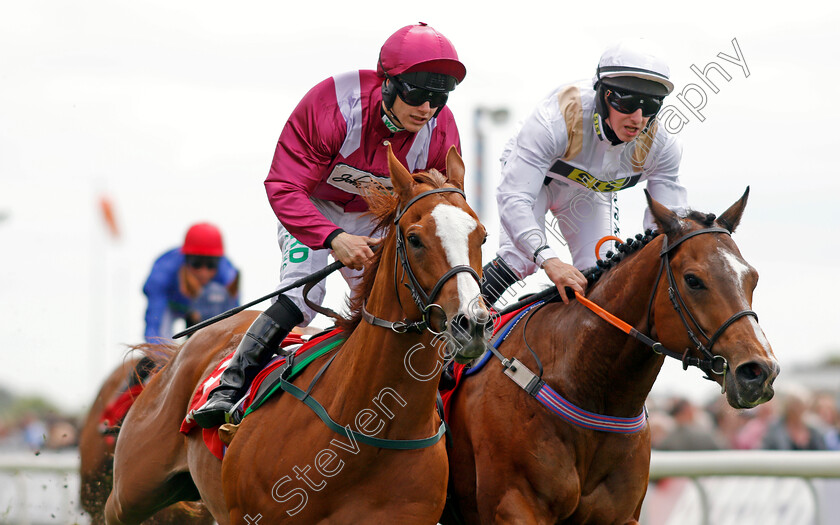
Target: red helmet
{"x": 419, "y": 48}
{"x": 203, "y": 239}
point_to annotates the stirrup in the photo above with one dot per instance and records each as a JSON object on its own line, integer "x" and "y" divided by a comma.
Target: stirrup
{"x": 232, "y": 415}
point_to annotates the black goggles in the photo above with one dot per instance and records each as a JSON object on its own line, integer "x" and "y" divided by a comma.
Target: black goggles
{"x": 203, "y": 261}
{"x": 415, "y": 96}
{"x": 629, "y": 102}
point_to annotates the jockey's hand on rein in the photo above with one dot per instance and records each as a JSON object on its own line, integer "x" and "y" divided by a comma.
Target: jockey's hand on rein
{"x": 354, "y": 251}
{"x": 564, "y": 275}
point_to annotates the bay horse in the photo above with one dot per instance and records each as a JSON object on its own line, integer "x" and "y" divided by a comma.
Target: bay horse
{"x": 96, "y": 458}
{"x": 418, "y": 299}
{"x": 515, "y": 461}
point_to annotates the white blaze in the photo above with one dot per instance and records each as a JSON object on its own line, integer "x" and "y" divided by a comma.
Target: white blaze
{"x": 736, "y": 267}
{"x": 740, "y": 269}
{"x": 454, "y": 226}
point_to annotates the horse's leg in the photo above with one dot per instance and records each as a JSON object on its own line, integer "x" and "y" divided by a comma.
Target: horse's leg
{"x": 206, "y": 472}
{"x": 96, "y": 451}
{"x": 150, "y": 467}
{"x": 133, "y": 502}
{"x": 514, "y": 508}
{"x": 638, "y": 513}
{"x": 95, "y": 469}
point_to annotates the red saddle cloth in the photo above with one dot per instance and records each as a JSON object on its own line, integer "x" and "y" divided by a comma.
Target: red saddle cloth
{"x": 115, "y": 411}
{"x": 211, "y": 435}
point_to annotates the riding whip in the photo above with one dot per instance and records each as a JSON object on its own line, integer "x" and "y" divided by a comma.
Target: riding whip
{"x": 311, "y": 278}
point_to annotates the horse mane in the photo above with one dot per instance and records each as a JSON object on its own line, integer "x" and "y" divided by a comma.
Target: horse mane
{"x": 634, "y": 244}
{"x": 706, "y": 220}
{"x": 160, "y": 353}
{"x": 382, "y": 204}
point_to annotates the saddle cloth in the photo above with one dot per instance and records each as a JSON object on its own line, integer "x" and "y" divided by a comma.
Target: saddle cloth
{"x": 265, "y": 384}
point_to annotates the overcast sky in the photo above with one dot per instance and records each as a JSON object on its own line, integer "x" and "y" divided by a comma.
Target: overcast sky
{"x": 172, "y": 111}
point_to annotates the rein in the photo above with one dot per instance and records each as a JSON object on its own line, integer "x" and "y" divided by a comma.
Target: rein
{"x": 534, "y": 385}
{"x": 425, "y": 302}
{"x": 537, "y": 388}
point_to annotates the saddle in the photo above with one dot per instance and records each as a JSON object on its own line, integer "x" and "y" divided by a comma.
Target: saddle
{"x": 265, "y": 385}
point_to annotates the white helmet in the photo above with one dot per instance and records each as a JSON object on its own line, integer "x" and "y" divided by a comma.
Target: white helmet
{"x": 635, "y": 65}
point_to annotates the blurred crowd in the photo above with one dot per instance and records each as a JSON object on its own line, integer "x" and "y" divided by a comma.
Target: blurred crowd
{"x": 795, "y": 419}
{"x": 35, "y": 432}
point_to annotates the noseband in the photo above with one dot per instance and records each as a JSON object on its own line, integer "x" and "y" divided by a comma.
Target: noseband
{"x": 425, "y": 302}
{"x": 712, "y": 363}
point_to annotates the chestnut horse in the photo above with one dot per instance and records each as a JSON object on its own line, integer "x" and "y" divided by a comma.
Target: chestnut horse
{"x": 96, "y": 459}
{"x": 419, "y": 299}
{"x": 515, "y": 461}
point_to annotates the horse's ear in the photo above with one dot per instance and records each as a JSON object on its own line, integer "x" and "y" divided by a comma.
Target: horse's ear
{"x": 455, "y": 168}
{"x": 400, "y": 177}
{"x": 732, "y": 216}
{"x": 667, "y": 221}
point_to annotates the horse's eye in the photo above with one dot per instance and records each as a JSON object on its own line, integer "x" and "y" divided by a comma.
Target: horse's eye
{"x": 693, "y": 282}
{"x": 484, "y": 241}
{"x": 414, "y": 241}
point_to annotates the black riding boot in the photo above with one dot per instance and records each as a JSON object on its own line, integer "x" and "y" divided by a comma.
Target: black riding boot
{"x": 255, "y": 350}
{"x": 497, "y": 278}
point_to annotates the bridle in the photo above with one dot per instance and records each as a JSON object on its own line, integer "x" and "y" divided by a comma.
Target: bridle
{"x": 425, "y": 302}
{"x": 712, "y": 364}
{"x": 534, "y": 385}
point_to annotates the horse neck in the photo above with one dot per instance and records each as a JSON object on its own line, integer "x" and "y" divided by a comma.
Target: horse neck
{"x": 377, "y": 355}
{"x": 626, "y": 369}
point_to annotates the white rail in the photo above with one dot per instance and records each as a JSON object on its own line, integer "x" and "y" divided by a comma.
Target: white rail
{"x": 42, "y": 462}
{"x": 43, "y": 488}
{"x": 720, "y": 476}
{"x": 25, "y": 476}
{"x": 777, "y": 463}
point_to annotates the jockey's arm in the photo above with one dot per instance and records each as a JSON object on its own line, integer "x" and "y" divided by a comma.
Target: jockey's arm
{"x": 352, "y": 250}
{"x": 564, "y": 275}
{"x": 309, "y": 142}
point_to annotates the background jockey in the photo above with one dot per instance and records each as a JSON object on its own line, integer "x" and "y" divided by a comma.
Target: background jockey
{"x": 193, "y": 282}
{"x": 331, "y": 148}
{"x": 583, "y": 143}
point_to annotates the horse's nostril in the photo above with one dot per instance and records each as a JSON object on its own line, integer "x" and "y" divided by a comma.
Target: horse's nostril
{"x": 461, "y": 325}
{"x": 751, "y": 372}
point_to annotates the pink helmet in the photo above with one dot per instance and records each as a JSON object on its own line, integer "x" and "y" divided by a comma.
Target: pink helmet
{"x": 419, "y": 48}
{"x": 203, "y": 239}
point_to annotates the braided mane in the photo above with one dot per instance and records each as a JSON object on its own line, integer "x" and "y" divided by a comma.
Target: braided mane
{"x": 634, "y": 244}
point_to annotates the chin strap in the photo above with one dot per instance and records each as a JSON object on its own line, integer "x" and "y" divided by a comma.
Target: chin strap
{"x": 391, "y": 122}
{"x": 604, "y": 131}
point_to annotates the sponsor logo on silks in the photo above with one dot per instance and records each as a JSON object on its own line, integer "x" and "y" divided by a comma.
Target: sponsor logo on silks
{"x": 297, "y": 253}
{"x": 355, "y": 181}
{"x": 590, "y": 181}
{"x": 596, "y": 120}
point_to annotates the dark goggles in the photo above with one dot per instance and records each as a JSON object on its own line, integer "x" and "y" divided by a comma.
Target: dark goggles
{"x": 415, "y": 96}
{"x": 203, "y": 261}
{"x": 629, "y": 102}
